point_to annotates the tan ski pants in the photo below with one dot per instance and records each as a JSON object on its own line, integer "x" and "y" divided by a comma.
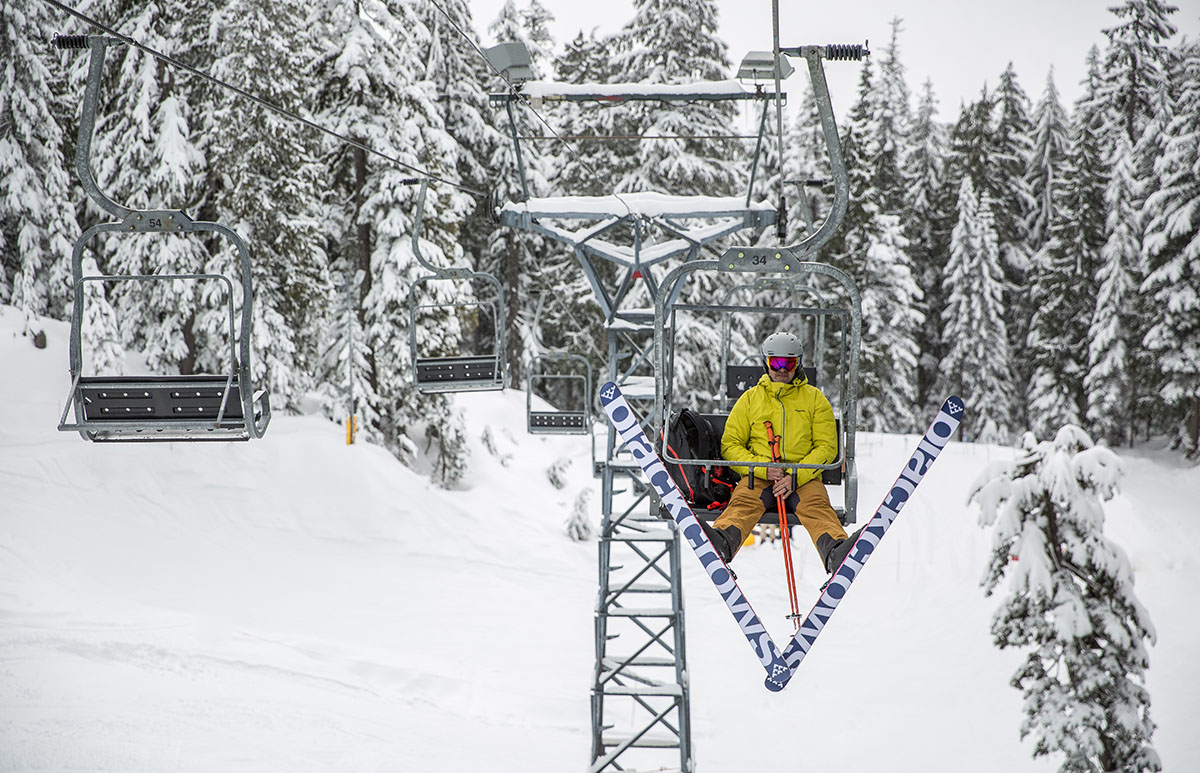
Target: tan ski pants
{"x": 747, "y": 506}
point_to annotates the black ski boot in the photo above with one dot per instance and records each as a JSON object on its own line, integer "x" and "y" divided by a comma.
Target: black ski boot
{"x": 726, "y": 541}
{"x": 838, "y": 550}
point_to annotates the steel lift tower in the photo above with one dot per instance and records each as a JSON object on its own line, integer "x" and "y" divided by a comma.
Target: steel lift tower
{"x": 640, "y": 694}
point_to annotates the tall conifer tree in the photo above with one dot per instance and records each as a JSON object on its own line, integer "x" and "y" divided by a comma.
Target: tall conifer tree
{"x": 1134, "y": 89}
{"x": 147, "y": 155}
{"x": 872, "y": 248}
{"x": 977, "y": 364}
{"x": 1107, "y": 383}
{"x": 672, "y": 42}
{"x": 1172, "y": 251}
{"x": 267, "y": 187}
{"x": 1045, "y": 172}
{"x": 928, "y": 220}
{"x": 36, "y": 215}
{"x": 376, "y": 89}
{"x": 1065, "y": 286}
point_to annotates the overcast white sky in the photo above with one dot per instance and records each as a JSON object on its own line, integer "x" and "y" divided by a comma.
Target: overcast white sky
{"x": 958, "y": 44}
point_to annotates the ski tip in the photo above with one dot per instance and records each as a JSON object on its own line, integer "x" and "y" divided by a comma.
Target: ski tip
{"x": 778, "y": 679}
{"x": 607, "y": 390}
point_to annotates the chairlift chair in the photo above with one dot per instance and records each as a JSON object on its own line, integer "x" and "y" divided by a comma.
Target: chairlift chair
{"x": 573, "y": 420}
{"x": 737, "y": 378}
{"x": 201, "y": 407}
{"x": 459, "y": 372}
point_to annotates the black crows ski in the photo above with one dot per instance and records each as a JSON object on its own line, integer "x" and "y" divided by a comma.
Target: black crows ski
{"x": 779, "y": 667}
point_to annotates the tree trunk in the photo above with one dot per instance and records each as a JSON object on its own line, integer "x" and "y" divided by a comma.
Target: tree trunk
{"x": 512, "y": 302}
{"x": 362, "y": 254}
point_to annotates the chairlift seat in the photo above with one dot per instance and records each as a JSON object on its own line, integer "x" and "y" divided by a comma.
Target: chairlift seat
{"x": 131, "y": 408}
{"x": 558, "y": 422}
{"x": 459, "y": 374}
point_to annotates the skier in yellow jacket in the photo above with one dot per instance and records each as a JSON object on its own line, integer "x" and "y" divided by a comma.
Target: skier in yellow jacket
{"x": 802, "y": 418}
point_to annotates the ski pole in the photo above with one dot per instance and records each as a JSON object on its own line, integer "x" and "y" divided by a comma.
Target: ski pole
{"x": 773, "y": 441}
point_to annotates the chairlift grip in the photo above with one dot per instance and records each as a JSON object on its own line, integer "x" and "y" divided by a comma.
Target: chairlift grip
{"x": 439, "y": 273}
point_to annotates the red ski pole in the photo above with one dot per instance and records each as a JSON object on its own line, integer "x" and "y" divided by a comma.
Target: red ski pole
{"x": 773, "y": 441}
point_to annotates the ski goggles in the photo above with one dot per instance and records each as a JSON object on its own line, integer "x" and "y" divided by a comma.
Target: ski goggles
{"x": 783, "y": 363}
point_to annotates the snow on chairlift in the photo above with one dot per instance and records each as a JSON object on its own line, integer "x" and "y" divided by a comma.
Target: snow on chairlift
{"x": 201, "y": 407}
{"x": 460, "y": 372}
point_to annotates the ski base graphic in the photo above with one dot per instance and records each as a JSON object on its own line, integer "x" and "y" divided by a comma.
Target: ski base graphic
{"x": 779, "y": 667}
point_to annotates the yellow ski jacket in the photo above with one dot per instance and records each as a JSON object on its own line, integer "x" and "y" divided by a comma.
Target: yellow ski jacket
{"x": 799, "y": 413}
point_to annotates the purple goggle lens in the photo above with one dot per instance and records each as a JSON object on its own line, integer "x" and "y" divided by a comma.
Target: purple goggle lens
{"x": 783, "y": 363}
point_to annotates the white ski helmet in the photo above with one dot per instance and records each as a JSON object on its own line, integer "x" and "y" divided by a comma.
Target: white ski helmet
{"x": 782, "y": 345}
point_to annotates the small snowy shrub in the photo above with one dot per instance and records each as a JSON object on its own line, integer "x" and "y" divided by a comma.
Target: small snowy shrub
{"x": 556, "y": 472}
{"x": 579, "y": 525}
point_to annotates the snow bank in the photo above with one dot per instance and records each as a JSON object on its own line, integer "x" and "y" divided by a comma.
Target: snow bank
{"x": 296, "y": 604}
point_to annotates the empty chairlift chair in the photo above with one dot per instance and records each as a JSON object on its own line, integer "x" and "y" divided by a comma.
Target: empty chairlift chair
{"x": 575, "y": 418}
{"x": 458, "y": 372}
{"x": 156, "y": 407}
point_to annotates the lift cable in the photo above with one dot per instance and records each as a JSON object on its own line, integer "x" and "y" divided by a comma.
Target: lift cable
{"x": 290, "y": 115}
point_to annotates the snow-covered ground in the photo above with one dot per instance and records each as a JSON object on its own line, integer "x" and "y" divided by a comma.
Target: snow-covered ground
{"x": 294, "y": 604}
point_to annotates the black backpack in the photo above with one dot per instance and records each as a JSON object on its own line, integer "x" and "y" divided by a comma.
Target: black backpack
{"x": 691, "y": 436}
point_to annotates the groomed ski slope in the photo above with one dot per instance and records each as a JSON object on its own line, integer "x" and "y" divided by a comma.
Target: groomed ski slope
{"x": 294, "y": 604}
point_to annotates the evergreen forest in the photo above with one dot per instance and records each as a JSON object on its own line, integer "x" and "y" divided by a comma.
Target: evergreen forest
{"x": 1041, "y": 259}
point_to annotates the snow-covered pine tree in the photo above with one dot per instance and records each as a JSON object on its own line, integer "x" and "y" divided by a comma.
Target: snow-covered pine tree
{"x": 1045, "y": 171}
{"x": 584, "y": 167}
{"x": 1134, "y": 88}
{"x": 1071, "y": 604}
{"x": 928, "y": 219}
{"x": 102, "y": 349}
{"x": 973, "y": 151}
{"x": 36, "y": 213}
{"x": 1013, "y": 143}
{"x": 977, "y": 364}
{"x": 1013, "y": 148}
{"x": 267, "y": 187}
{"x": 374, "y": 88}
{"x": 891, "y": 126}
{"x": 353, "y": 87}
{"x": 871, "y": 248}
{"x": 1136, "y": 61}
{"x": 461, "y": 81}
{"x": 147, "y": 154}
{"x": 1172, "y": 251}
{"x": 1064, "y": 286}
{"x": 1107, "y": 384}
{"x": 671, "y": 42}
{"x": 536, "y": 21}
